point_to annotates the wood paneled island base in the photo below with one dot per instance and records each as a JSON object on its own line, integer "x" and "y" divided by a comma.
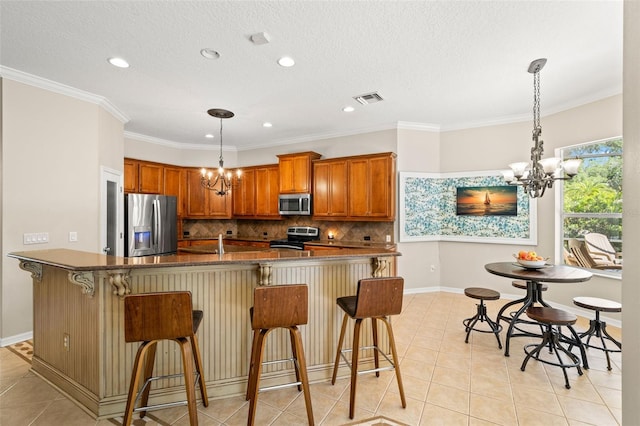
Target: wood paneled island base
{"x": 78, "y": 329}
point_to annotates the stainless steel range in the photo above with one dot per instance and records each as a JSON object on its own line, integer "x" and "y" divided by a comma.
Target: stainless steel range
{"x": 296, "y": 237}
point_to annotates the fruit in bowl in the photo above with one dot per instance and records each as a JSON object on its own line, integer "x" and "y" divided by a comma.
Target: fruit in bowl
{"x": 530, "y": 259}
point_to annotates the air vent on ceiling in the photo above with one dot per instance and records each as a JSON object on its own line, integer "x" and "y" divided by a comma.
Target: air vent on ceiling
{"x": 368, "y": 98}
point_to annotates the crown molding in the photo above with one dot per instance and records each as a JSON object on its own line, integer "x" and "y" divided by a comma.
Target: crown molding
{"x": 425, "y": 127}
{"x": 176, "y": 145}
{"x": 63, "y": 89}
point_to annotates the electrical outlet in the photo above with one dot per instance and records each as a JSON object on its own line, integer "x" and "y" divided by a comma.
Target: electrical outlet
{"x": 388, "y": 238}
{"x": 66, "y": 341}
{"x": 73, "y": 236}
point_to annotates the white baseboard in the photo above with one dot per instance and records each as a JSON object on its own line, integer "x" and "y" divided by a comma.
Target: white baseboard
{"x": 15, "y": 339}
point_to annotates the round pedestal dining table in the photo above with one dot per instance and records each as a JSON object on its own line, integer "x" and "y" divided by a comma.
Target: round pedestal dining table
{"x": 561, "y": 274}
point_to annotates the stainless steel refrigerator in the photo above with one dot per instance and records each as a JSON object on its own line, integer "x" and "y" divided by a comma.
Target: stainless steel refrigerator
{"x": 150, "y": 225}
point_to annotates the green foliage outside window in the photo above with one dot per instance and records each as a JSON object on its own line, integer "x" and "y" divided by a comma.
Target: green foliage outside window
{"x": 593, "y": 198}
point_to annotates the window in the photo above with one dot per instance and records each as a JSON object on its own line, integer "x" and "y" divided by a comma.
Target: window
{"x": 592, "y": 200}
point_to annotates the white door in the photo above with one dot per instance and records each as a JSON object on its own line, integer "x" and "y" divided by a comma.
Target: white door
{"x": 111, "y": 212}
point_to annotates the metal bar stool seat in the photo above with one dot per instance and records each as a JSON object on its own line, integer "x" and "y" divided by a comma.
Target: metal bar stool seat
{"x": 278, "y": 306}
{"x": 481, "y": 294}
{"x": 377, "y": 298}
{"x": 597, "y": 327}
{"x": 150, "y": 318}
{"x": 552, "y": 339}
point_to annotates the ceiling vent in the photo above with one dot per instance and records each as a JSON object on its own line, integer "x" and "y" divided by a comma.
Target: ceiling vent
{"x": 368, "y": 98}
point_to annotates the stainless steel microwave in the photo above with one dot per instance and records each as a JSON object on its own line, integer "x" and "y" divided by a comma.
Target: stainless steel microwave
{"x": 294, "y": 204}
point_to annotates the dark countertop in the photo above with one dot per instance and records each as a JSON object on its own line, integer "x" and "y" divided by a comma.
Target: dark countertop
{"x": 74, "y": 260}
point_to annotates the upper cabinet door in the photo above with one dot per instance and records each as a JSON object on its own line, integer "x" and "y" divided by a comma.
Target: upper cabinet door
{"x": 197, "y": 201}
{"x": 267, "y": 191}
{"x": 131, "y": 175}
{"x": 151, "y": 178}
{"x": 202, "y": 202}
{"x": 330, "y": 186}
{"x": 296, "y": 172}
{"x": 175, "y": 180}
{"x": 243, "y": 193}
{"x": 372, "y": 187}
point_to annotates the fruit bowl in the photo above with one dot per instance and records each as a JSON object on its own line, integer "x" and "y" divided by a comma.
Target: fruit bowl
{"x": 530, "y": 260}
{"x": 532, "y": 264}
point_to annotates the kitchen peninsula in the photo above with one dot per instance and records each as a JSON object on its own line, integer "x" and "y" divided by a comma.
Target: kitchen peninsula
{"x": 79, "y": 319}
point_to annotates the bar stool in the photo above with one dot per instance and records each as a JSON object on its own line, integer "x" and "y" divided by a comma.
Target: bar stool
{"x": 482, "y": 294}
{"x": 596, "y": 326}
{"x": 551, "y": 338}
{"x": 150, "y": 318}
{"x": 377, "y": 298}
{"x": 278, "y": 306}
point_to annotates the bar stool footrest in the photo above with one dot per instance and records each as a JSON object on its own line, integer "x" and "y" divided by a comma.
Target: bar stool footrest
{"x": 346, "y": 360}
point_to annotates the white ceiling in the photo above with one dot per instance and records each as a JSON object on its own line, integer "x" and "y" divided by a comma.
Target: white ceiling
{"x": 445, "y": 64}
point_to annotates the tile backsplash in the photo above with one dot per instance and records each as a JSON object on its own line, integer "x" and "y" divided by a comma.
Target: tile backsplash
{"x": 277, "y": 229}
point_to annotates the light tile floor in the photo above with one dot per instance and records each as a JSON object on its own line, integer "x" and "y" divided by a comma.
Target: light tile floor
{"x": 447, "y": 382}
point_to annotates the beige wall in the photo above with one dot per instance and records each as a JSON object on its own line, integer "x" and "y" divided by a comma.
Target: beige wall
{"x": 492, "y": 148}
{"x": 171, "y": 153}
{"x": 631, "y": 219}
{"x": 419, "y": 151}
{"x": 365, "y": 143}
{"x": 52, "y": 146}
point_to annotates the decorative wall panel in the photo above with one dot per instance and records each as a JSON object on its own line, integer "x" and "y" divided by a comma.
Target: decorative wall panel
{"x": 428, "y": 211}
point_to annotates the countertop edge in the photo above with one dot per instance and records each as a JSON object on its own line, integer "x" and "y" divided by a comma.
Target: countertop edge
{"x": 75, "y": 260}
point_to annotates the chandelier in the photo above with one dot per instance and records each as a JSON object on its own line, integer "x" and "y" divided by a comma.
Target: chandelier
{"x": 540, "y": 173}
{"x": 222, "y": 183}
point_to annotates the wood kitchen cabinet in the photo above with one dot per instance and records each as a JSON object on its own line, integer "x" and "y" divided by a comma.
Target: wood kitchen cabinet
{"x": 143, "y": 177}
{"x": 244, "y": 193}
{"x": 150, "y": 178}
{"x": 174, "y": 183}
{"x": 267, "y": 191}
{"x": 372, "y": 183}
{"x": 202, "y": 202}
{"x": 255, "y": 195}
{"x": 355, "y": 188}
{"x": 131, "y": 175}
{"x": 330, "y": 185}
{"x": 296, "y": 172}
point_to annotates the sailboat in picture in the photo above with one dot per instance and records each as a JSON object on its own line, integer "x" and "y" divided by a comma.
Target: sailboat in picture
{"x": 487, "y": 200}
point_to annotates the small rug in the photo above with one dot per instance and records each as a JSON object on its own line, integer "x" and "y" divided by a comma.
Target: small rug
{"x": 23, "y": 349}
{"x": 377, "y": 421}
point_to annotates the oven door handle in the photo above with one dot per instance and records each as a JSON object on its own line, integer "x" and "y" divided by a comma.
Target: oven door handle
{"x": 294, "y": 247}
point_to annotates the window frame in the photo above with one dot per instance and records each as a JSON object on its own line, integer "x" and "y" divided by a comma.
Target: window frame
{"x": 560, "y": 214}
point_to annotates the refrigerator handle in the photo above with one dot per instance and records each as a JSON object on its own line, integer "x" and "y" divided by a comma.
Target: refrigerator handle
{"x": 156, "y": 222}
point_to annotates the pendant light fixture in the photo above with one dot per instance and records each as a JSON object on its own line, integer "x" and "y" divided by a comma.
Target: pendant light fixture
{"x": 222, "y": 182}
{"x": 540, "y": 173}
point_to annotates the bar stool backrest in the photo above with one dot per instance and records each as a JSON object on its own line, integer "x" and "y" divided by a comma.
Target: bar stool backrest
{"x": 379, "y": 297}
{"x": 154, "y": 316}
{"x": 280, "y": 306}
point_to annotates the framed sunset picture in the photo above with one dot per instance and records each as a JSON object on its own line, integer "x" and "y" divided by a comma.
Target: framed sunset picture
{"x": 487, "y": 201}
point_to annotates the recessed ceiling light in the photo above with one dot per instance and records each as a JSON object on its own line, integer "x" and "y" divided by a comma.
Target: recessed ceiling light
{"x": 348, "y": 108}
{"x": 209, "y": 53}
{"x": 208, "y": 136}
{"x": 119, "y": 62}
{"x": 286, "y": 61}
{"x": 267, "y": 124}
